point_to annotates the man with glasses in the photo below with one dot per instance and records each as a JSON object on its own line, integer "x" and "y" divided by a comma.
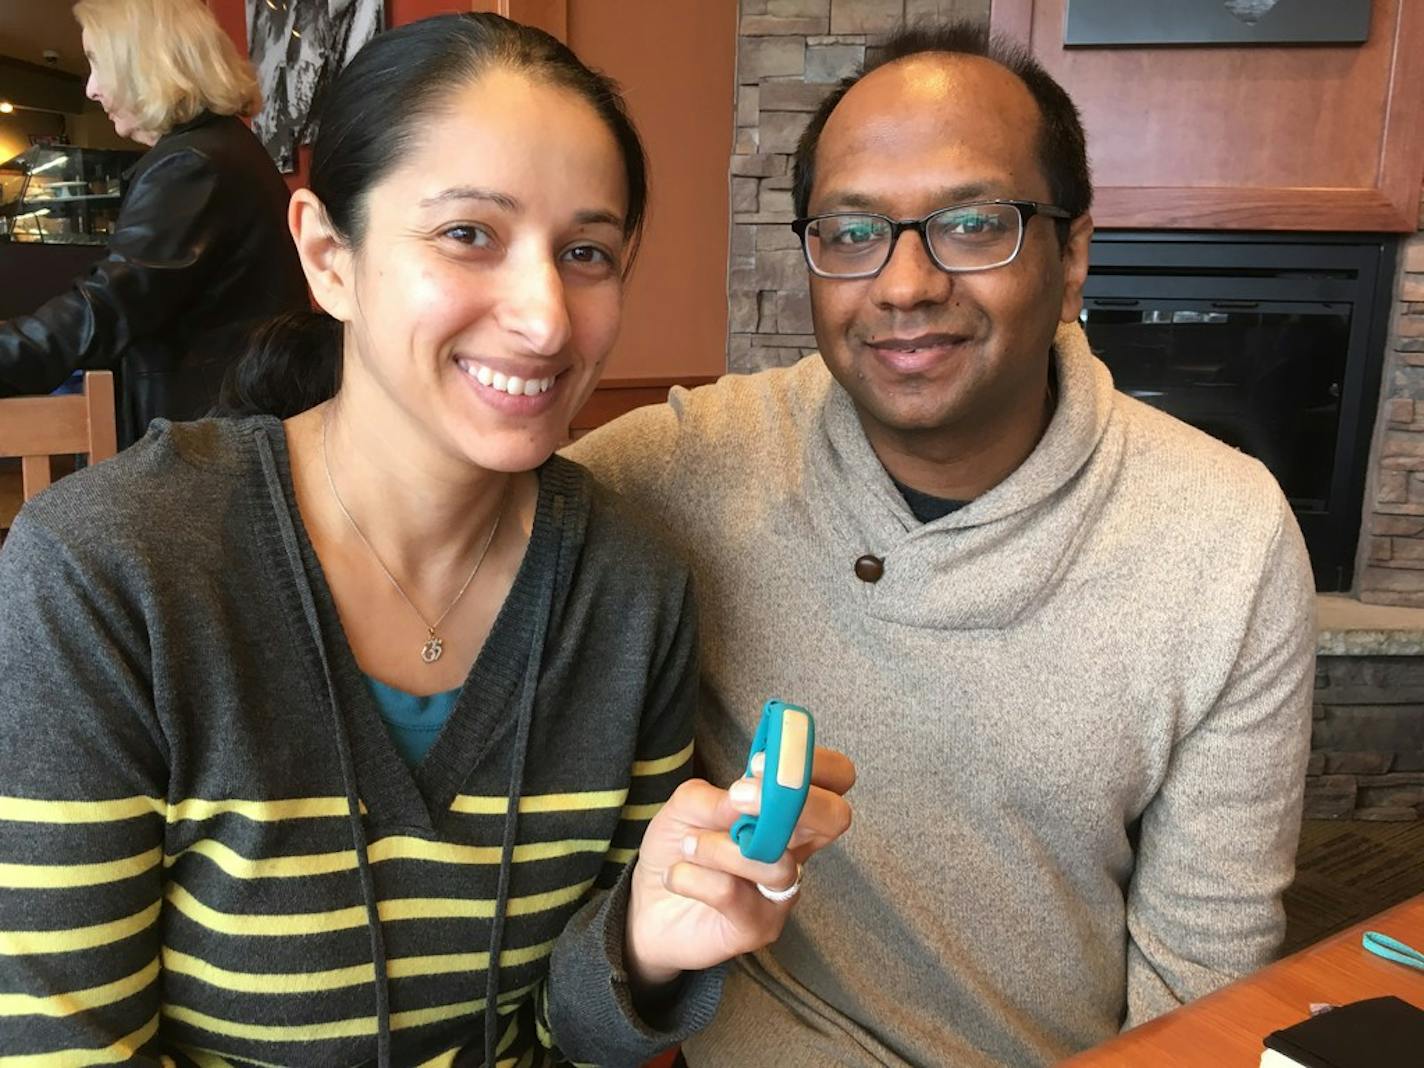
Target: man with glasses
{"x": 1067, "y": 640}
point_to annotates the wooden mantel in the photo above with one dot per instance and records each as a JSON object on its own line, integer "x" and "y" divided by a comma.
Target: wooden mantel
{"x": 1304, "y": 137}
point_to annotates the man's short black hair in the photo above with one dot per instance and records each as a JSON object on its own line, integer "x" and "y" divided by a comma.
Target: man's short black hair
{"x": 1062, "y": 149}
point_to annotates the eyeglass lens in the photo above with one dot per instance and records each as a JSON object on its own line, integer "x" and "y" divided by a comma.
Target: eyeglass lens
{"x": 972, "y": 237}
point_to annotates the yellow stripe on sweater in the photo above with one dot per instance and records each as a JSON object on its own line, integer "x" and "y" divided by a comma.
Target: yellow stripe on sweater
{"x": 278, "y": 924}
{"x": 71, "y": 939}
{"x": 204, "y": 1059}
{"x": 497, "y": 805}
{"x": 282, "y": 983}
{"x": 207, "y": 1058}
{"x": 35, "y": 810}
{"x": 396, "y": 847}
{"x": 124, "y": 1049}
{"x": 254, "y": 1032}
{"x": 541, "y": 1016}
{"x": 421, "y": 908}
{"x": 66, "y": 876}
{"x": 663, "y": 765}
{"x": 507, "y": 1039}
{"x": 275, "y": 983}
{"x": 405, "y": 848}
{"x": 441, "y": 1013}
{"x": 72, "y": 1001}
{"x": 290, "y": 808}
{"x": 640, "y": 812}
{"x": 31, "y": 810}
{"x": 240, "y": 867}
{"x": 455, "y": 963}
{"x": 356, "y": 1027}
{"x": 264, "y": 924}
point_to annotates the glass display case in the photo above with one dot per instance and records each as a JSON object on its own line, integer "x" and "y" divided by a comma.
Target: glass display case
{"x": 62, "y": 194}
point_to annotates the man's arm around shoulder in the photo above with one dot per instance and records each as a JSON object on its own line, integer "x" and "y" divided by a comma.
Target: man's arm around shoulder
{"x": 635, "y": 454}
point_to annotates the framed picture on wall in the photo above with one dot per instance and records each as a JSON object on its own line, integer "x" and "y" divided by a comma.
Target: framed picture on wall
{"x": 1219, "y": 22}
{"x": 297, "y": 48}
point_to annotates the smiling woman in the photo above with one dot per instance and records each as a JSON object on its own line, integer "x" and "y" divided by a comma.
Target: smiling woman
{"x": 479, "y": 290}
{"x": 393, "y": 711}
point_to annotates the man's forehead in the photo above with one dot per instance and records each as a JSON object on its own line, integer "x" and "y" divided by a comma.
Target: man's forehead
{"x": 935, "y": 121}
{"x": 936, "y": 90}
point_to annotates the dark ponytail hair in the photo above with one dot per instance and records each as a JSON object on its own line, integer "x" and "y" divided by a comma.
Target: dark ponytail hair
{"x": 369, "y": 118}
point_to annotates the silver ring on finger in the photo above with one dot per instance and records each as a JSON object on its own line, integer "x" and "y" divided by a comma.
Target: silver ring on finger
{"x": 782, "y": 895}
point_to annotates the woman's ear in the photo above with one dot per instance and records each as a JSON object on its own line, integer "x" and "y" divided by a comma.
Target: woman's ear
{"x": 326, "y": 259}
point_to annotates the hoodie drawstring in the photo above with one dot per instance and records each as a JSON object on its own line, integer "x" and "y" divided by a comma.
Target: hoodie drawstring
{"x": 343, "y": 746}
{"x": 516, "y": 786}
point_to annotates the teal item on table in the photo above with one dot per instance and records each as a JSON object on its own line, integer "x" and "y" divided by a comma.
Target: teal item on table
{"x": 413, "y": 722}
{"x": 787, "y": 734}
{"x": 1392, "y": 949}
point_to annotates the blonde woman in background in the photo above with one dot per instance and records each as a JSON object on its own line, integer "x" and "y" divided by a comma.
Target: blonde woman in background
{"x": 200, "y": 250}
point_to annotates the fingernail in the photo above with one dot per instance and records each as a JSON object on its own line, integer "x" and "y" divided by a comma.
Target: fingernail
{"x": 758, "y": 763}
{"x": 689, "y": 845}
{"x": 742, "y": 791}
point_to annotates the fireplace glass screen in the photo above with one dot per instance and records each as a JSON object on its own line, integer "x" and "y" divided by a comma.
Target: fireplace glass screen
{"x": 1272, "y": 343}
{"x": 1266, "y": 380}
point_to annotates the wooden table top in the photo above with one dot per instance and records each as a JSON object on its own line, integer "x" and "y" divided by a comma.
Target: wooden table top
{"x": 1227, "y": 1028}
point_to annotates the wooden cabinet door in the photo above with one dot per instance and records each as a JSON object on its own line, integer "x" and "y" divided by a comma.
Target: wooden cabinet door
{"x": 1249, "y": 137}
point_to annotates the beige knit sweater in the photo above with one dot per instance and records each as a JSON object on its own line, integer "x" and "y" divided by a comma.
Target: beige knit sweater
{"x": 1079, "y": 708}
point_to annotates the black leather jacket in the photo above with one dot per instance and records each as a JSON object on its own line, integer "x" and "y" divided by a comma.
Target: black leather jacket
{"x": 200, "y": 253}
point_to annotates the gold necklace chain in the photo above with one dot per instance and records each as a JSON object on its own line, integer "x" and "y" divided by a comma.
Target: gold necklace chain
{"x": 434, "y": 645}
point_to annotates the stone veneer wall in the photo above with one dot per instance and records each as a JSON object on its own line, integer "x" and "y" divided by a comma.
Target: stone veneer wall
{"x": 1367, "y": 747}
{"x": 1391, "y": 560}
{"x": 790, "y": 55}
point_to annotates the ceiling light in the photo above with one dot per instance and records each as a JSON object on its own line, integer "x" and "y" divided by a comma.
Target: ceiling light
{"x": 6, "y": 107}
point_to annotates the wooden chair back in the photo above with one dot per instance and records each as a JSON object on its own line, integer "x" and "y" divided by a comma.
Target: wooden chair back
{"x": 38, "y": 428}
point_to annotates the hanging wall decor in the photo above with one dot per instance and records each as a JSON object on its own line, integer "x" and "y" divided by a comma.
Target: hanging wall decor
{"x": 297, "y": 47}
{"x": 1220, "y": 22}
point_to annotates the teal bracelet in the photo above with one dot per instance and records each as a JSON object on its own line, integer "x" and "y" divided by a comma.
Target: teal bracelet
{"x": 1392, "y": 949}
{"x": 787, "y": 735}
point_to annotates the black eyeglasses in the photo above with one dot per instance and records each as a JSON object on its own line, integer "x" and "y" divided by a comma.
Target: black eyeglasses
{"x": 962, "y": 237}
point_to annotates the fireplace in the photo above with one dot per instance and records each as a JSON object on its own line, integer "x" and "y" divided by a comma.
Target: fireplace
{"x": 1272, "y": 343}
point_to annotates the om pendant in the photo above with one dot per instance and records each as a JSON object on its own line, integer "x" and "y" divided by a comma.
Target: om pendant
{"x": 431, "y": 650}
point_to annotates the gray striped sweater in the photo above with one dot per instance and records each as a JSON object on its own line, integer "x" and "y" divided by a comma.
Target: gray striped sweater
{"x": 185, "y": 736}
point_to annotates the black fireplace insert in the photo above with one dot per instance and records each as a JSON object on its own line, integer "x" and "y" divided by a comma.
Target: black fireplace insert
{"x": 1273, "y": 343}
